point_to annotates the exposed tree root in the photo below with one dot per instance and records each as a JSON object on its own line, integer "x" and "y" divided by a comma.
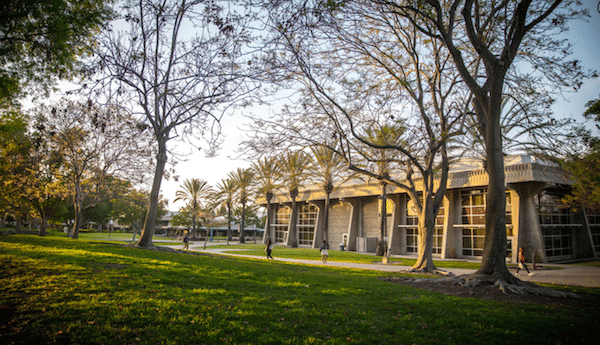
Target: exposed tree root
{"x": 436, "y": 271}
{"x": 514, "y": 286}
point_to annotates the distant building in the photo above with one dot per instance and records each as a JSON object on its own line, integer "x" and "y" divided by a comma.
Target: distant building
{"x": 534, "y": 217}
{"x": 165, "y": 226}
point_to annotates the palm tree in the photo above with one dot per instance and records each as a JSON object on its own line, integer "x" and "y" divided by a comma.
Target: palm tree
{"x": 293, "y": 171}
{"x": 267, "y": 175}
{"x": 383, "y": 158}
{"x": 242, "y": 179}
{"x": 193, "y": 191}
{"x": 327, "y": 171}
{"x": 224, "y": 195}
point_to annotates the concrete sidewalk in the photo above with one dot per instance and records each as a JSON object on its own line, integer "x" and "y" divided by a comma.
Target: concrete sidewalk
{"x": 575, "y": 275}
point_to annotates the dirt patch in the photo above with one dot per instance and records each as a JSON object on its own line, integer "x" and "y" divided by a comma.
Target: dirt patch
{"x": 489, "y": 292}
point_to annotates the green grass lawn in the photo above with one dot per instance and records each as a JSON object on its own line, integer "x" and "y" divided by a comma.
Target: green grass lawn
{"x": 594, "y": 263}
{"x": 79, "y": 292}
{"x": 335, "y": 255}
{"x": 116, "y": 237}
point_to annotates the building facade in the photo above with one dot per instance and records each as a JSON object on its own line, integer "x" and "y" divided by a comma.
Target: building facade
{"x": 535, "y": 219}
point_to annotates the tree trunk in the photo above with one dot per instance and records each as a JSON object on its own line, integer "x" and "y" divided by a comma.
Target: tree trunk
{"x": 293, "y": 232}
{"x": 77, "y": 207}
{"x": 242, "y": 223}
{"x": 426, "y": 231}
{"x": 268, "y": 222}
{"x": 326, "y": 216}
{"x": 381, "y": 245}
{"x": 229, "y": 223}
{"x": 194, "y": 223}
{"x": 43, "y": 225}
{"x": 150, "y": 222}
{"x": 77, "y": 224}
{"x": 43, "y": 218}
{"x": 206, "y": 237}
{"x": 46, "y": 209}
{"x": 135, "y": 231}
{"x": 495, "y": 245}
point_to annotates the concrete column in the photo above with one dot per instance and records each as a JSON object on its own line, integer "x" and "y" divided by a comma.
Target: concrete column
{"x": 451, "y": 247}
{"x": 292, "y": 236}
{"x": 453, "y": 233}
{"x": 319, "y": 232}
{"x": 269, "y": 233}
{"x": 526, "y": 223}
{"x": 354, "y": 222}
{"x": 393, "y": 233}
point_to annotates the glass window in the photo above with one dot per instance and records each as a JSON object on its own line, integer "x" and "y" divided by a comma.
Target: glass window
{"x": 412, "y": 233}
{"x": 307, "y": 219}
{"x": 473, "y": 205}
{"x": 557, "y": 225}
{"x": 282, "y": 221}
{"x": 593, "y": 220}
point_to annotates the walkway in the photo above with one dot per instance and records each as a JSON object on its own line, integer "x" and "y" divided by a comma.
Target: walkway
{"x": 576, "y": 275}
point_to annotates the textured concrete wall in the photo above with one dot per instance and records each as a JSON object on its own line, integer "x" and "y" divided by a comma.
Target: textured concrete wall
{"x": 371, "y": 223}
{"x": 339, "y": 222}
{"x": 357, "y": 215}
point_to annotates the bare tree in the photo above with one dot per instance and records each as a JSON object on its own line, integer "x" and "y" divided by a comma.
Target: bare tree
{"x": 182, "y": 64}
{"x": 486, "y": 39}
{"x": 328, "y": 171}
{"x": 361, "y": 72}
{"x": 95, "y": 145}
{"x": 379, "y": 164}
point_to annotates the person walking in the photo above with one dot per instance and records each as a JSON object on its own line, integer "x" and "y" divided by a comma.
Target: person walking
{"x": 521, "y": 258}
{"x": 324, "y": 252}
{"x": 269, "y": 249}
{"x": 186, "y": 242}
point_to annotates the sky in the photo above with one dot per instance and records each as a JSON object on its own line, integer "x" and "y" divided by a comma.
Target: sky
{"x": 585, "y": 38}
{"x": 212, "y": 170}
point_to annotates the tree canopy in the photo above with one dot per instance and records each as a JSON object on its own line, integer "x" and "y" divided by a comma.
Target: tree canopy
{"x": 96, "y": 146}
{"x": 41, "y": 41}
{"x": 584, "y": 165}
{"x": 15, "y": 162}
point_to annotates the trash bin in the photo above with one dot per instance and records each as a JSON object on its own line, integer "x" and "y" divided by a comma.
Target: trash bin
{"x": 342, "y": 246}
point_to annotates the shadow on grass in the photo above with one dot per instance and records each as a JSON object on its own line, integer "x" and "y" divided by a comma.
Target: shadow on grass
{"x": 66, "y": 291}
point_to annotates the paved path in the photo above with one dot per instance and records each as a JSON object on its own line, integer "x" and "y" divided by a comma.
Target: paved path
{"x": 567, "y": 274}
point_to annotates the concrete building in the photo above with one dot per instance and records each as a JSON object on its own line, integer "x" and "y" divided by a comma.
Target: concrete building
{"x": 534, "y": 217}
